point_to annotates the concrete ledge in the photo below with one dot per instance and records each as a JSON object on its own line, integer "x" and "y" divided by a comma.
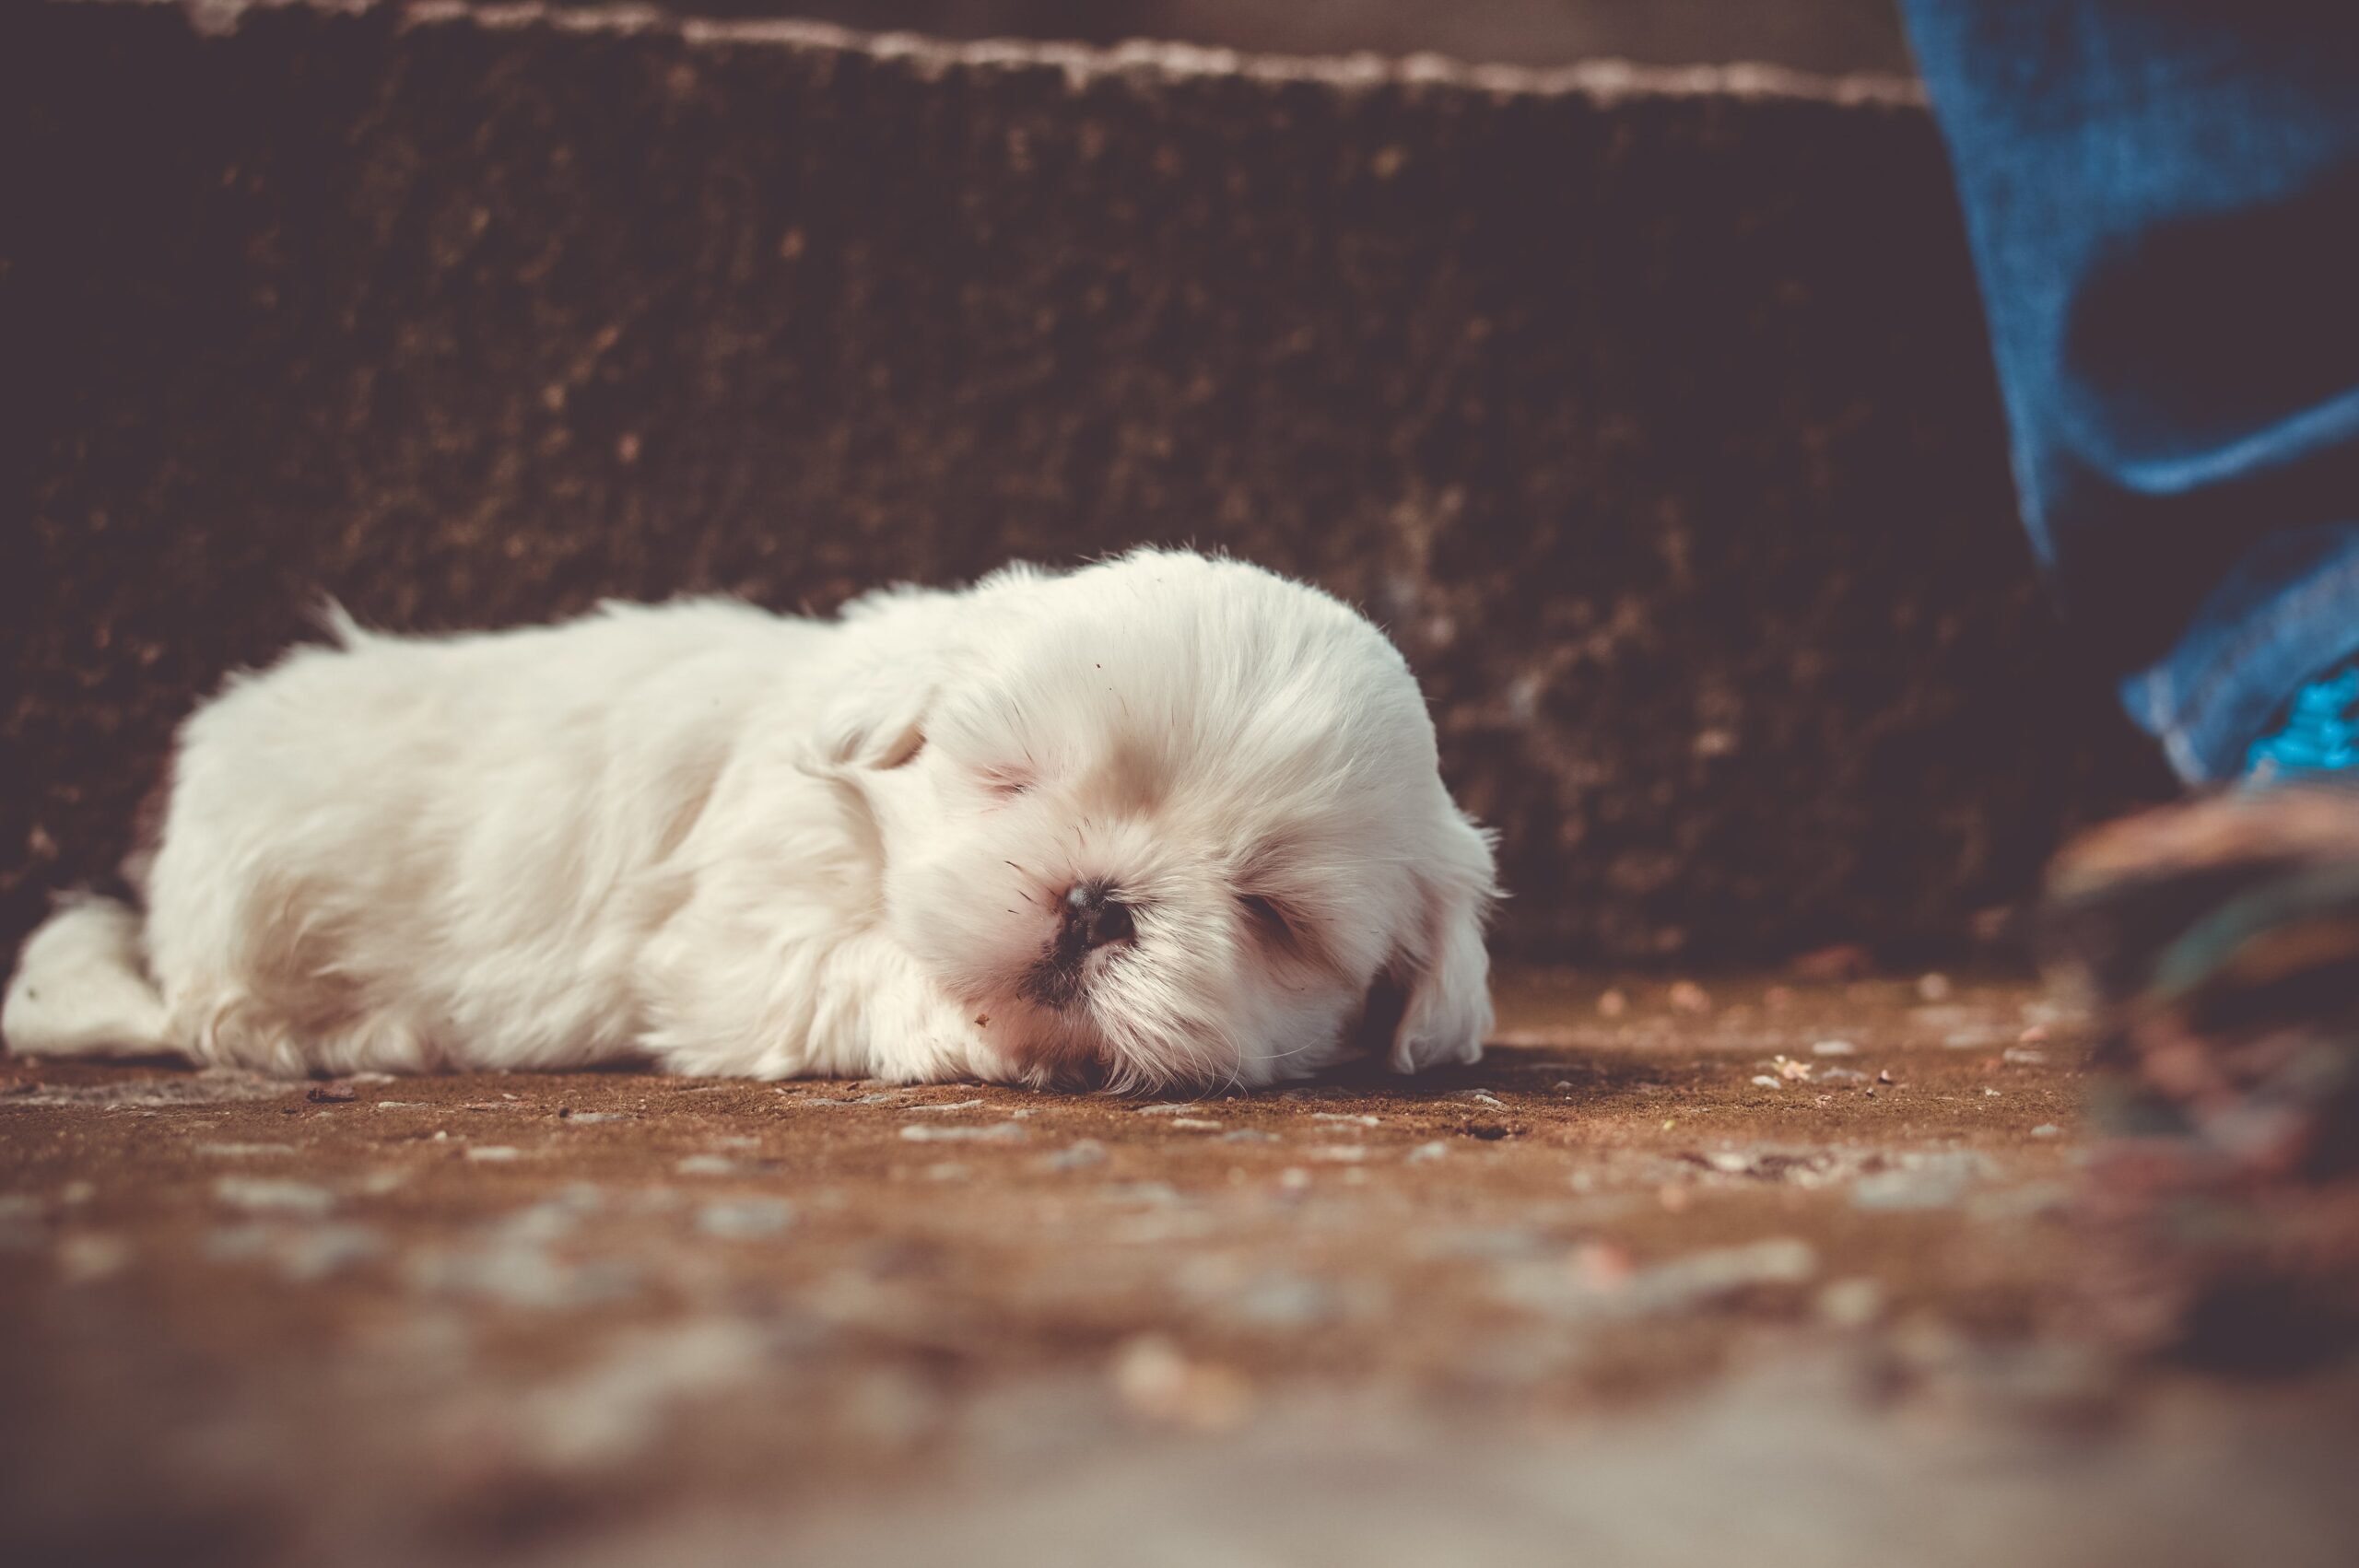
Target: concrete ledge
{"x": 1648, "y": 409}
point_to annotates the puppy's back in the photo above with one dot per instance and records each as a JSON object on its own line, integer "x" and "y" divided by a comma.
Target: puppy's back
{"x": 378, "y": 849}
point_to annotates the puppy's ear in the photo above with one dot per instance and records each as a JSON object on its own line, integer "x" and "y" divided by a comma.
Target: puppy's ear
{"x": 877, "y": 721}
{"x": 1442, "y": 970}
{"x": 876, "y": 717}
{"x": 906, "y": 646}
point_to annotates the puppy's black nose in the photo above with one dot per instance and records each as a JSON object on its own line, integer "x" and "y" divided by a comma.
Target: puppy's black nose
{"x": 1094, "y": 916}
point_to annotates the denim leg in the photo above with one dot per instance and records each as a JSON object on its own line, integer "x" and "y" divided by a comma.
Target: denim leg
{"x": 2163, "y": 198}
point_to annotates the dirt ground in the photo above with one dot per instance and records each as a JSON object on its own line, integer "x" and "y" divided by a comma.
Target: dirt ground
{"x": 1747, "y": 1270}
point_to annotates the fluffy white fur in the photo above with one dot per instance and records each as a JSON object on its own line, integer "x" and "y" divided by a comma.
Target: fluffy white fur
{"x": 736, "y": 843}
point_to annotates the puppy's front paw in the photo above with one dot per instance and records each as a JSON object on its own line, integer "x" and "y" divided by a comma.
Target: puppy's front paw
{"x": 919, "y": 1036}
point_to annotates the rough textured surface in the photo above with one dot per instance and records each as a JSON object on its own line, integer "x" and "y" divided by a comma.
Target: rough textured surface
{"x": 1649, "y": 412}
{"x": 1811, "y": 35}
{"x": 1674, "y": 1276}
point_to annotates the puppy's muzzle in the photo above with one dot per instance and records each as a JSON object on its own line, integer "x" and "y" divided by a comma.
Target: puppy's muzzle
{"x": 1094, "y": 916}
{"x": 1091, "y": 915}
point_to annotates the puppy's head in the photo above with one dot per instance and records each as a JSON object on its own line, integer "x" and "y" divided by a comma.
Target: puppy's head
{"x": 1168, "y": 823}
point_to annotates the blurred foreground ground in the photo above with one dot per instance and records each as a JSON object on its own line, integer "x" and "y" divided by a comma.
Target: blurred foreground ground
{"x": 1672, "y": 1277}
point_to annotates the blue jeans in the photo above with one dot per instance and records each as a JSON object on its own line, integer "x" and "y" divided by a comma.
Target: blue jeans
{"x": 2163, "y": 198}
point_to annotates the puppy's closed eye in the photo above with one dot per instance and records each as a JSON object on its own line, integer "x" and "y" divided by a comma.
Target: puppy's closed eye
{"x": 1273, "y": 921}
{"x": 1004, "y": 783}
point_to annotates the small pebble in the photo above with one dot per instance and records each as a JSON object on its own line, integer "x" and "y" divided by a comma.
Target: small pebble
{"x": 519, "y": 1276}
{"x": 319, "y": 1252}
{"x": 1285, "y": 1302}
{"x": 1077, "y": 1156}
{"x": 87, "y": 1260}
{"x": 952, "y": 1105}
{"x": 1426, "y": 1153}
{"x": 707, "y": 1165}
{"x": 1843, "y": 961}
{"x": 2036, "y": 1200}
{"x": 1195, "y": 1124}
{"x": 1158, "y": 1383}
{"x": 1851, "y": 1304}
{"x": 1599, "y": 1280}
{"x": 263, "y": 1195}
{"x": 1833, "y": 1047}
{"x": 745, "y": 1219}
{"x": 1338, "y": 1154}
{"x": 1935, "y": 1180}
{"x": 2018, "y": 1057}
{"x": 2048, "y": 1129}
{"x": 1249, "y": 1135}
{"x": 238, "y": 1243}
{"x": 332, "y": 1095}
{"x": 1001, "y": 1132}
{"x": 1347, "y": 1117}
{"x": 494, "y": 1153}
{"x": 1157, "y": 1194}
{"x": 1762, "y": 1080}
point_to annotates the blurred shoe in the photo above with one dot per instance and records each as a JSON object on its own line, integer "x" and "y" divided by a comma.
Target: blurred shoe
{"x": 2218, "y": 942}
{"x": 2319, "y": 739}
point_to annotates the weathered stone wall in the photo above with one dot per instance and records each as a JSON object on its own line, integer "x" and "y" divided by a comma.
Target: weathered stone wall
{"x": 1649, "y": 412}
{"x": 1811, "y": 35}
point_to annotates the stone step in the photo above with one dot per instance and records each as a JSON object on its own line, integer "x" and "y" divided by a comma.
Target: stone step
{"x": 1647, "y": 408}
{"x": 1811, "y": 35}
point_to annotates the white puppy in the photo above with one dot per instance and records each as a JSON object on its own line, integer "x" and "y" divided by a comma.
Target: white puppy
{"x": 1163, "y": 822}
